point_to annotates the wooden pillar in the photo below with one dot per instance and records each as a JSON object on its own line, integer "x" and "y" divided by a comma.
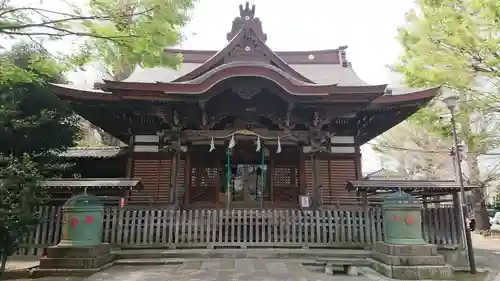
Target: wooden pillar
{"x": 425, "y": 219}
{"x": 270, "y": 170}
{"x": 187, "y": 179}
{"x": 173, "y": 177}
{"x": 130, "y": 158}
{"x": 315, "y": 179}
{"x": 358, "y": 158}
{"x": 302, "y": 172}
{"x": 457, "y": 223}
{"x": 129, "y": 168}
{"x": 364, "y": 196}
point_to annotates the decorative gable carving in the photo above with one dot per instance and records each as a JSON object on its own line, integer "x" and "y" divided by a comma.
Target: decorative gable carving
{"x": 247, "y": 43}
{"x": 246, "y": 90}
{"x": 249, "y": 48}
{"x": 251, "y": 37}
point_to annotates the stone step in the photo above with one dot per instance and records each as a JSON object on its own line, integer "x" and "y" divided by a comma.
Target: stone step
{"x": 409, "y": 260}
{"x": 344, "y": 261}
{"x": 177, "y": 261}
{"x": 149, "y": 261}
{"x": 203, "y": 254}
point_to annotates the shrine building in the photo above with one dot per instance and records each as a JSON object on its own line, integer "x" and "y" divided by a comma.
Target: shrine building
{"x": 245, "y": 126}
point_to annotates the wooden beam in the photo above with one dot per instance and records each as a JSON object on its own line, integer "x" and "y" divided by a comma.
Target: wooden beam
{"x": 198, "y": 135}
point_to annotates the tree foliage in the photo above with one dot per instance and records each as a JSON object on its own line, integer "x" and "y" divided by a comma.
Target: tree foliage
{"x": 34, "y": 127}
{"x": 146, "y": 34}
{"x": 124, "y": 33}
{"x": 145, "y": 37}
{"x": 456, "y": 44}
{"x": 34, "y": 124}
{"x": 19, "y": 192}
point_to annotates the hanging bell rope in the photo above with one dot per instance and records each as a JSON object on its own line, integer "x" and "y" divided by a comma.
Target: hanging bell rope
{"x": 279, "y": 146}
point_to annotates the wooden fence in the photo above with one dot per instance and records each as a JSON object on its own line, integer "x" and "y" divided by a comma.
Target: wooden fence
{"x": 161, "y": 228}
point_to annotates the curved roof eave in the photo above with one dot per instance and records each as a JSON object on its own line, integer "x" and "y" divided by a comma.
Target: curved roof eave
{"x": 208, "y": 80}
{"x": 422, "y": 95}
{"x": 71, "y": 91}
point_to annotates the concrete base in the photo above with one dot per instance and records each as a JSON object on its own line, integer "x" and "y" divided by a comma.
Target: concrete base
{"x": 39, "y": 272}
{"x": 352, "y": 271}
{"x": 455, "y": 256}
{"x": 410, "y": 262}
{"x": 67, "y": 258}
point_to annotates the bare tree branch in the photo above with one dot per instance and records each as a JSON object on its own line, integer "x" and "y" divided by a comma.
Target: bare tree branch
{"x": 67, "y": 33}
{"x": 16, "y": 29}
{"x": 38, "y": 10}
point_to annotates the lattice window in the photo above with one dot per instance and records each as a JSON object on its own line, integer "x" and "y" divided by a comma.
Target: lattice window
{"x": 283, "y": 176}
{"x": 208, "y": 177}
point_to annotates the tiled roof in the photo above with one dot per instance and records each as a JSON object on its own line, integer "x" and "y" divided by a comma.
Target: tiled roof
{"x": 384, "y": 174}
{"x": 405, "y": 185}
{"x": 319, "y": 73}
{"x": 94, "y": 152}
{"x": 93, "y": 183}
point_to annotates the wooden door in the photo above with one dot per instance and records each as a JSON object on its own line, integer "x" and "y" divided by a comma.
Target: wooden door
{"x": 285, "y": 177}
{"x": 204, "y": 179}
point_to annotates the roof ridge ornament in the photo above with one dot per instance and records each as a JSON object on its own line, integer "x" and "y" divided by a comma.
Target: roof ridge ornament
{"x": 247, "y": 20}
{"x": 247, "y": 13}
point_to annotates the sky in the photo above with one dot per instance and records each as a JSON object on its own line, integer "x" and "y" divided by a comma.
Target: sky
{"x": 367, "y": 27}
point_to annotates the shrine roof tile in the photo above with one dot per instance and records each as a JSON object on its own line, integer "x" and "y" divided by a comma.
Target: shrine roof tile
{"x": 405, "y": 185}
{"x": 318, "y": 73}
{"x": 119, "y": 183}
{"x": 93, "y": 152}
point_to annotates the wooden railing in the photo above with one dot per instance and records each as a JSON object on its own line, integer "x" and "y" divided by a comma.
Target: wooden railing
{"x": 161, "y": 228}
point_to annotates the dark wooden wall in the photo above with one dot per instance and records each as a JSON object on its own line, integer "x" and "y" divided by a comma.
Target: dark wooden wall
{"x": 334, "y": 172}
{"x": 154, "y": 170}
{"x": 201, "y": 175}
{"x": 89, "y": 167}
{"x": 114, "y": 167}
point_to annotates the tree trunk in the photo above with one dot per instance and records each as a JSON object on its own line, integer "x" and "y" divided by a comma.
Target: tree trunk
{"x": 3, "y": 259}
{"x": 480, "y": 212}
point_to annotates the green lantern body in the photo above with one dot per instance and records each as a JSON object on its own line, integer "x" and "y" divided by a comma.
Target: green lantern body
{"x": 402, "y": 220}
{"x": 82, "y": 221}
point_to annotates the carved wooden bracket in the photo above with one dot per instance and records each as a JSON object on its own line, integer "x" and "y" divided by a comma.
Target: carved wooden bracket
{"x": 287, "y": 123}
{"x": 246, "y": 90}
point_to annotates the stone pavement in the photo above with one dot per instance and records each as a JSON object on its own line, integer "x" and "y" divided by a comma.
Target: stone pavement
{"x": 487, "y": 252}
{"x": 21, "y": 262}
{"x": 221, "y": 270}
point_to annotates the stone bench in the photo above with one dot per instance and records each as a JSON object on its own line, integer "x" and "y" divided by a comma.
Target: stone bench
{"x": 349, "y": 265}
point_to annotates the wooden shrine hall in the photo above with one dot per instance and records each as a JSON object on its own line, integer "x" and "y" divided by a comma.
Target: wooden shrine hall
{"x": 245, "y": 126}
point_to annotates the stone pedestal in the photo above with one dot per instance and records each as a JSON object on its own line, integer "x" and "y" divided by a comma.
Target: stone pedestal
{"x": 410, "y": 262}
{"x": 80, "y": 251}
{"x": 71, "y": 260}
